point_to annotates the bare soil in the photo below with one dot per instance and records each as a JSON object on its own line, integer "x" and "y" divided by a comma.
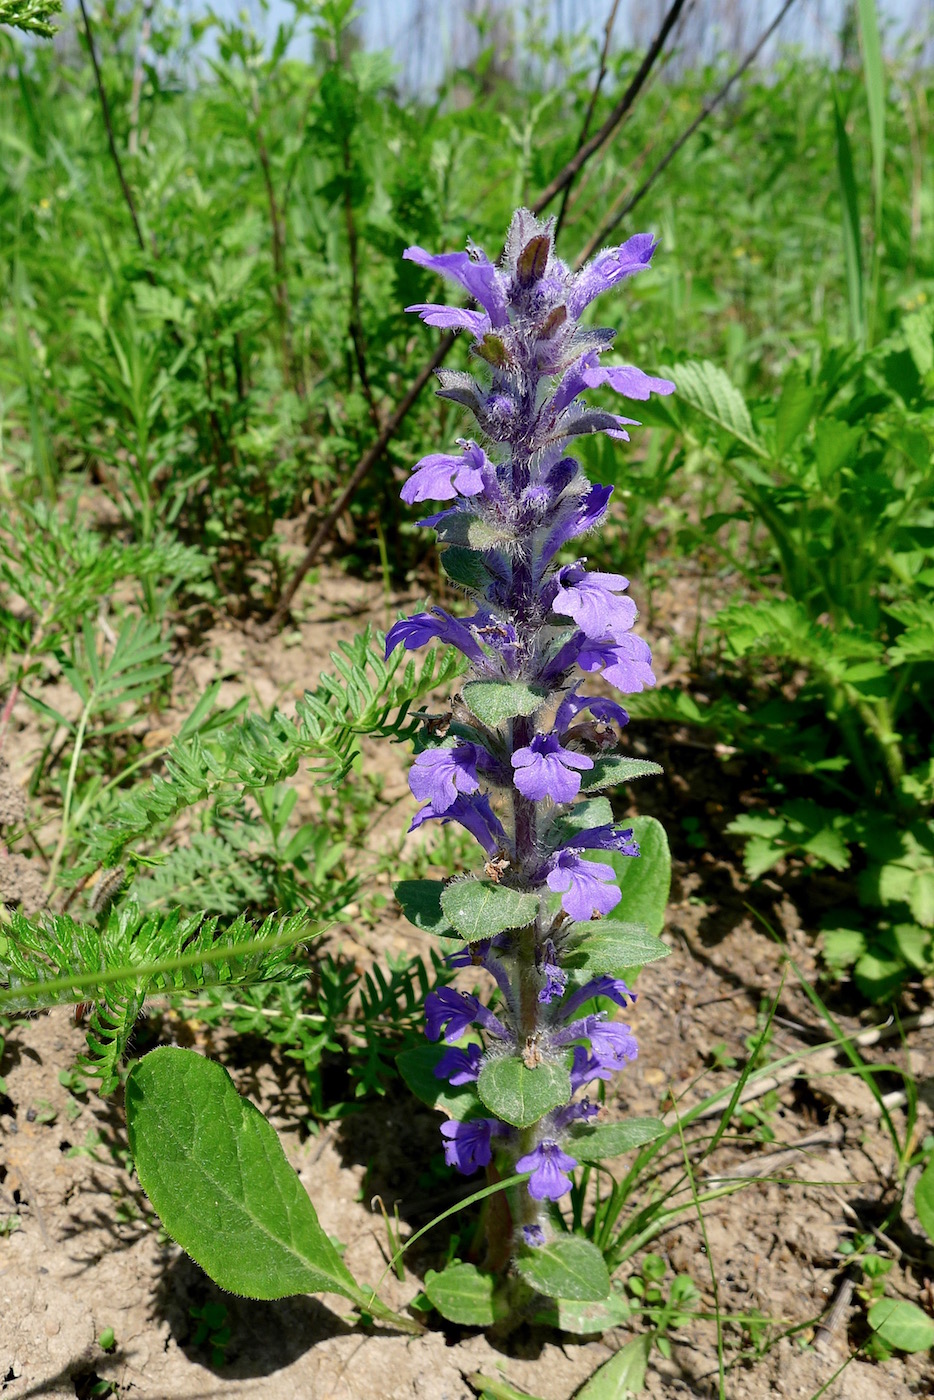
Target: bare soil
{"x": 88, "y": 1254}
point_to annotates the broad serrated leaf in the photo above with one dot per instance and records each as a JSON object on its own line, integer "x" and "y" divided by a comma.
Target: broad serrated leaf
{"x": 596, "y": 1142}
{"x": 567, "y": 1268}
{"x": 462, "y": 1294}
{"x": 901, "y": 1325}
{"x": 707, "y": 389}
{"x": 417, "y": 1067}
{"x": 493, "y": 702}
{"x": 481, "y": 908}
{"x": 216, "y": 1174}
{"x": 623, "y": 1375}
{"x": 607, "y": 771}
{"x": 645, "y": 879}
{"x": 520, "y": 1095}
{"x": 607, "y": 945}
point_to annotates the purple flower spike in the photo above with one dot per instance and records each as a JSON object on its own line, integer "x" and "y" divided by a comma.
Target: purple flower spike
{"x": 590, "y": 599}
{"x": 441, "y": 476}
{"x": 460, "y": 1066}
{"x": 543, "y": 769}
{"x": 446, "y": 1006}
{"x": 548, "y": 1165}
{"x": 586, "y": 886}
{"x": 556, "y": 979}
{"x": 625, "y": 663}
{"x": 612, "y": 987}
{"x": 438, "y": 775}
{"x": 467, "y": 1146}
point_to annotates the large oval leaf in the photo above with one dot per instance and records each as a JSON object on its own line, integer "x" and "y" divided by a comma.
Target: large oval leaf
{"x": 216, "y": 1174}
{"x": 567, "y": 1268}
{"x": 520, "y": 1095}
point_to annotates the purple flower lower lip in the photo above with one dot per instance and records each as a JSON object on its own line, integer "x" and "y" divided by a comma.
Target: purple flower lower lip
{"x": 468, "y": 1146}
{"x": 549, "y": 1167}
{"x": 438, "y": 775}
{"x": 586, "y": 886}
{"x": 544, "y": 769}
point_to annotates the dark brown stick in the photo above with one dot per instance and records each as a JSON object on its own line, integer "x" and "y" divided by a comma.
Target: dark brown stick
{"x": 623, "y": 106}
{"x": 588, "y": 117}
{"x": 618, "y": 215}
{"x": 105, "y": 108}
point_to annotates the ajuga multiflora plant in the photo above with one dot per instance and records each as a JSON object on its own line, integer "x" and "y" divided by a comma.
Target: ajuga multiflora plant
{"x": 554, "y": 923}
{"x": 529, "y": 735}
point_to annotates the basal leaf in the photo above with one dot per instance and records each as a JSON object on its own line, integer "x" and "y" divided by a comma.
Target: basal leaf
{"x": 567, "y": 1268}
{"x": 901, "y": 1325}
{"x": 584, "y": 1319}
{"x": 482, "y": 908}
{"x": 607, "y": 771}
{"x": 623, "y": 1375}
{"x": 596, "y": 1142}
{"x": 493, "y": 702}
{"x": 924, "y": 1199}
{"x": 216, "y": 1174}
{"x": 461, "y": 1293}
{"x": 520, "y": 1095}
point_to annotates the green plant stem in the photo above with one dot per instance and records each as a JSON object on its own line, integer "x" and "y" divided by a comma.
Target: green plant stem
{"x": 69, "y": 793}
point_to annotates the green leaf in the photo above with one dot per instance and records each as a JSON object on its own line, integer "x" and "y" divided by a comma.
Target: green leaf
{"x": 596, "y": 1142}
{"x": 583, "y": 1319}
{"x": 567, "y": 1268}
{"x": 465, "y": 567}
{"x": 901, "y": 1325}
{"x": 421, "y": 905}
{"x": 481, "y": 908}
{"x": 215, "y": 1172}
{"x": 496, "y": 1388}
{"x": 852, "y": 243}
{"x": 910, "y": 878}
{"x": 493, "y": 702}
{"x": 646, "y": 879}
{"x": 708, "y": 390}
{"x": 607, "y": 945}
{"x": 461, "y": 1293}
{"x": 592, "y": 811}
{"x": 623, "y": 1375}
{"x": 876, "y": 84}
{"x": 417, "y": 1067}
{"x": 520, "y": 1095}
{"x": 924, "y": 1199}
{"x": 607, "y": 771}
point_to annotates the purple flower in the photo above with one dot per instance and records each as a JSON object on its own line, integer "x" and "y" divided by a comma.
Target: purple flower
{"x": 412, "y": 632}
{"x": 543, "y": 769}
{"x": 606, "y": 269}
{"x": 474, "y": 813}
{"x": 438, "y": 775}
{"x": 533, "y": 1235}
{"x": 632, "y": 383}
{"x": 586, "y": 886}
{"x": 573, "y": 704}
{"x": 548, "y": 1165}
{"x": 441, "y": 476}
{"x": 590, "y": 599}
{"x": 474, "y": 272}
{"x": 460, "y": 1066}
{"x": 625, "y": 663}
{"x": 578, "y": 1112}
{"x": 586, "y": 1068}
{"x": 612, "y": 1045}
{"x": 452, "y": 318}
{"x": 606, "y": 838}
{"x": 467, "y": 1145}
{"x": 446, "y": 1006}
{"x": 459, "y": 1010}
{"x": 556, "y": 979}
{"x": 612, "y": 987}
{"x": 583, "y": 515}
